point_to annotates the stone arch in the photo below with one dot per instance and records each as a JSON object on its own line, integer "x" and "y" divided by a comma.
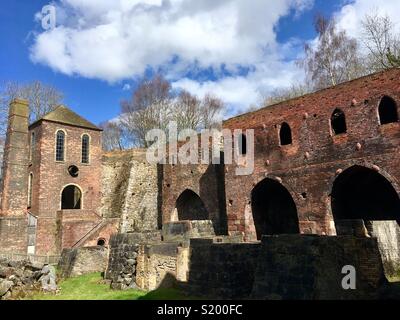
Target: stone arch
{"x": 71, "y": 197}
{"x": 273, "y": 208}
{"x": 189, "y": 206}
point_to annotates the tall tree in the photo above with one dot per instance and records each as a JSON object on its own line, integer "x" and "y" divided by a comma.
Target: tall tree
{"x": 42, "y": 99}
{"x": 113, "y": 136}
{"x": 334, "y": 59}
{"x": 154, "y": 104}
{"x": 381, "y": 41}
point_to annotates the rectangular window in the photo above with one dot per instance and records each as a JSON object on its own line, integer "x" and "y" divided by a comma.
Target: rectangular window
{"x": 30, "y": 190}
{"x": 85, "y": 149}
{"x": 60, "y": 146}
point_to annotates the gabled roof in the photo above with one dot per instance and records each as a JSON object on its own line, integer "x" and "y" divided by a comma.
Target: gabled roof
{"x": 64, "y": 115}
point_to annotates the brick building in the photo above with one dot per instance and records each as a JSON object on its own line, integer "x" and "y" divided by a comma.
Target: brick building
{"x": 326, "y": 163}
{"x": 52, "y": 180}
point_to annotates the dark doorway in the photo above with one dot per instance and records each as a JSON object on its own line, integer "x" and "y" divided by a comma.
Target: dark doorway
{"x": 360, "y": 193}
{"x": 285, "y": 134}
{"x": 274, "y": 211}
{"x": 338, "y": 122}
{"x": 101, "y": 242}
{"x": 388, "y": 110}
{"x": 71, "y": 198}
{"x": 190, "y": 206}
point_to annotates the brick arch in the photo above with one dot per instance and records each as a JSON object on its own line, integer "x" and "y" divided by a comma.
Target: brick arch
{"x": 270, "y": 216}
{"x": 362, "y": 164}
{"x": 189, "y": 206}
{"x": 81, "y": 193}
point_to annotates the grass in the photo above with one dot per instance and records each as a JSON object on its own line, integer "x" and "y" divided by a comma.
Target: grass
{"x": 91, "y": 287}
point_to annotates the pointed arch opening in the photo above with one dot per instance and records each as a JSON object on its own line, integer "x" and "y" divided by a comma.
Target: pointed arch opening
{"x": 387, "y": 111}
{"x": 190, "y": 206}
{"x": 274, "y": 210}
{"x": 71, "y": 198}
{"x": 360, "y": 193}
{"x": 338, "y": 122}
{"x": 285, "y": 134}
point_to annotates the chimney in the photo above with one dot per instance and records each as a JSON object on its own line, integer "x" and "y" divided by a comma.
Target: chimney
{"x": 15, "y": 161}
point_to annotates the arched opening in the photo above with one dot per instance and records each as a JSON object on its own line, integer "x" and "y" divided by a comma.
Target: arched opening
{"x": 274, "y": 211}
{"x": 387, "y": 110}
{"x": 338, "y": 122}
{"x": 242, "y": 144}
{"x": 101, "y": 242}
{"x": 285, "y": 134}
{"x": 360, "y": 193}
{"x": 71, "y": 198}
{"x": 190, "y": 206}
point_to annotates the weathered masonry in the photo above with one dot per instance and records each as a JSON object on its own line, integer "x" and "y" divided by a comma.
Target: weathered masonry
{"x": 326, "y": 174}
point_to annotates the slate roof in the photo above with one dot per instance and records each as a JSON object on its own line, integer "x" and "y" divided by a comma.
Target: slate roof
{"x": 63, "y": 114}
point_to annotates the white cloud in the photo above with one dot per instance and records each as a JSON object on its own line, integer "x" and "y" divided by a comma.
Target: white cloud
{"x": 117, "y": 40}
{"x": 126, "y": 87}
{"x": 350, "y": 16}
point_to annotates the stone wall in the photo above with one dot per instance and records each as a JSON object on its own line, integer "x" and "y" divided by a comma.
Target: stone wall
{"x": 310, "y": 267}
{"x": 130, "y": 190}
{"x": 75, "y": 262}
{"x": 388, "y": 236}
{"x": 124, "y": 249}
{"x": 222, "y": 270}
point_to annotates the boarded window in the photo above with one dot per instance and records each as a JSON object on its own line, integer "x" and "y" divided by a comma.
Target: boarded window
{"x": 388, "y": 111}
{"x": 60, "y": 146}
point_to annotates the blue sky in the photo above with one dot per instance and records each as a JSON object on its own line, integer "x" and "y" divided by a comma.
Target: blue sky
{"x": 93, "y": 78}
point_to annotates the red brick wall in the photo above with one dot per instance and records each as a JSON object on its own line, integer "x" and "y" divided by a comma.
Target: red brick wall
{"x": 50, "y": 177}
{"x": 205, "y": 180}
{"x": 311, "y": 163}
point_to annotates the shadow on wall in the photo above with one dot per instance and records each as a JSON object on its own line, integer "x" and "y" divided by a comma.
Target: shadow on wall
{"x": 212, "y": 191}
{"x": 274, "y": 269}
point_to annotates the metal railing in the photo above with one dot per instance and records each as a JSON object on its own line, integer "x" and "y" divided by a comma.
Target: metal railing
{"x": 46, "y": 259}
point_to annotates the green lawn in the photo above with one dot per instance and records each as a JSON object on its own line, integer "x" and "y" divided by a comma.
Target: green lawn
{"x": 91, "y": 287}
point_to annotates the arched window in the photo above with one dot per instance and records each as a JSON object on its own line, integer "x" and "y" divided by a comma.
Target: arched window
{"x": 32, "y": 148}
{"x": 242, "y": 144}
{"x": 338, "y": 122}
{"x": 285, "y": 134}
{"x": 71, "y": 198}
{"x": 85, "y": 148}
{"x": 30, "y": 190}
{"x": 387, "y": 110}
{"x": 60, "y": 146}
